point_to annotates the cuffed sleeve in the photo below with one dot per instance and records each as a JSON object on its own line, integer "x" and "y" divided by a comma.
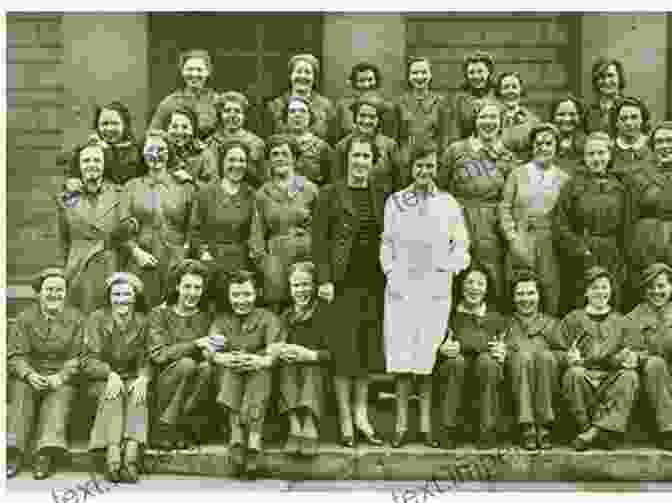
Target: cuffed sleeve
{"x": 18, "y": 351}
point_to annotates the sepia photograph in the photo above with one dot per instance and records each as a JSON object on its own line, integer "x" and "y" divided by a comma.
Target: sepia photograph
{"x": 421, "y": 253}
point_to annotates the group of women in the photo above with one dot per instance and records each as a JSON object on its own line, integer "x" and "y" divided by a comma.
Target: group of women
{"x": 464, "y": 246}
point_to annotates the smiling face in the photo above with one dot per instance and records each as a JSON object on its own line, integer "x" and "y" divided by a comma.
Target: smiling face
{"x": 629, "y": 121}
{"x": 474, "y": 289}
{"x": 282, "y": 160}
{"x": 510, "y": 89}
{"x": 566, "y": 117}
{"x": 598, "y": 293}
{"x": 301, "y": 288}
{"x": 419, "y": 75}
{"x": 596, "y": 156}
{"x": 110, "y": 125}
{"x": 526, "y": 298}
{"x": 234, "y": 164}
{"x": 365, "y": 80}
{"x": 477, "y": 75}
{"x": 367, "y": 119}
{"x": 122, "y": 298}
{"x": 488, "y": 122}
{"x": 662, "y": 146}
{"x": 180, "y": 129}
{"x": 302, "y": 76}
{"x": 52, "y": 294}
{"x": 92, "y": 165}
{"x": 608, "y": 82}
{"x": 298, "y": 116}
{"x": 424, "y": 170}
{"x": 360, "y": 160}
{"x": 544, "y": 147}
{"x": 242, "y": 297}
{"x": 189, "y": 291}
{"x": 232, "y": 116}
{"x": 659, "y": 290}
{"x": 195, "y": 73}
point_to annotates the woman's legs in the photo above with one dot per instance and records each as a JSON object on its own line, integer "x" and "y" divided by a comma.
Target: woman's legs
{"x": 362, "y": 406}
{"x": 425, "y": 384}
{"x": 342, "y": 389}
{"x": 403, "y": 385}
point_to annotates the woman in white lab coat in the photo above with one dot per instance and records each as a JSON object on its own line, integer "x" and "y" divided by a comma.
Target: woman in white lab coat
{"x": 425, "y": 242}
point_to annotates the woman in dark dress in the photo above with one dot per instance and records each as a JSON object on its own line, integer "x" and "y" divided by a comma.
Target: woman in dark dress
{"x": 608, "y": 79}
{"x": 568, "y": 114}
{"x": 303, "y": 362}
{"x": 469, "y": 370}
{"x": 119, "y": 373}
{"x": 629, "y": 123}
{"x": 347, "y": 225}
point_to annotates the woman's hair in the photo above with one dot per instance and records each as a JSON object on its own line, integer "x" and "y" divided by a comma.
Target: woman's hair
{"x": 666, "y": 125}
{"x": 500, "y": 78}
{"x": 600, "y": 67}
{"x": 311, "y": 60}
{"x": 224, "y": 147}
{"x": 124, "y": 113}
{"x": 277, "y": 140}
{"x": 124, "y": 279}
{"x": 630, "y": 101}
{"x": 187, "y": 266}
{"x": 417, "y": 59}
{"x": 542, "y": 128}
{"x": 478, "y": 57}
{"x": 363, "y": 67}
{"x": 357, "y": 138}
{"x": 224, "y": 280}
{"x": 458, "y": 287}
{"x": 195, "y": 53}
{"x": 230, "y": 97}
{"x": 580, "y": 109}
{"x": 48, "y": 272}
{"x": 593, "y": 274}
{"x": 486, "y": 103}
{"x": 521, "y": 276}
{"x": 290, "y": 100}
{"x": 305, "y": 266}
{"x": 188, "y": 113}
{"x": 92, "y": 143}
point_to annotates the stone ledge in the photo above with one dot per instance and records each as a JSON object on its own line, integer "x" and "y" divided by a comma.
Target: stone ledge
{"x": 417, "y": 462}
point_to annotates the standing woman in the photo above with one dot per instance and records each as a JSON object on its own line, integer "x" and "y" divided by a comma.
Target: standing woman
{"x": 315, "y": 154}
{"x": 568, "y": 114}
{"x": 119, "y": 372}
{"x": 592, "y": 223}
{"x": 286, "y": 204}
{"x": 630, "y": 126}
{"x": 304, "y": 70}
{"x": 196, "y": 69}
{"x": 478, "y": 70}
{"x": 651, "y": 188}
{"x": 347, "y": 225}
{"x": 226, "y": 231}
{"x": 45, "y": 350}
{"x": 192, "y": 160}
{"x": 421, "y": 114}
{"x": 425, "y": 242}
{"x": 608, "y": 78}
{"x": 368, "y": 112}
{"x": 232, "y": 108}
{"x": 652, "y": 319}
{"x": 160, "y": 204}
{"x": 474, "y": 171}
{"x": 89, "y": 230}
{"x": 178, "y": 332}
{"x": 112, "y": 128}
{"x": 526, "y": 210}
{"x": 601, "y": 380}
{"x": 364, "y": 78}
{"x": 517, "y": 120}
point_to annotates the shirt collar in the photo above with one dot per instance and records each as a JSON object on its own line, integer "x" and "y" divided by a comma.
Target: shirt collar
{"x": 477, "y": 145}
{"x": 639, "y": 144}
{"x": 480, "y": 311}
{"x": 592, "y": 311}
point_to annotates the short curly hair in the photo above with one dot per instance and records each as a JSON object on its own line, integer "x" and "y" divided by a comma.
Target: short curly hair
{"x": 365, "y": 66}
{"x": 600, "y": 67}
{"x": 630, "y": 101}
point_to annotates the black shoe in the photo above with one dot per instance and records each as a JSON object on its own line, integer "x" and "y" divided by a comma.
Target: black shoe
{"x": 447, "y": 439}
{"x": 428, "y": 440}
{"x": 370, "y": 439}
{"x": 609, "y": 440}
{"x": 399, "y": 439}
{"x": 587, "y": 439}
{"x": 348, "y": 441}
{"x": 12, "y": 469}
{"x": 487, "y": 440}
{"x": 42, "y": 467}
{"x": 665, "y": 440}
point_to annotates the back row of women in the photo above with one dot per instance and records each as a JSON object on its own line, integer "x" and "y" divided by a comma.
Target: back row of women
{"x": 572, "y": 222}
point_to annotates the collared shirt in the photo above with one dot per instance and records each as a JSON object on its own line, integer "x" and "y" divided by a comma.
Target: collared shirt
{"x": 639, "y": 144}
{"x": 480, "y": 311}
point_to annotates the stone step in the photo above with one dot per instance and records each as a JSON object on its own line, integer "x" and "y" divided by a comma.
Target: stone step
{"x": 417, "y": 462}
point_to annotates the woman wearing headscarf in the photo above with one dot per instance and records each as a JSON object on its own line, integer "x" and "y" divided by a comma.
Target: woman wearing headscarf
{"x": 601, "y": 381}
{"x": 478, "y": 70}
{"x": 421, "y": 114}
{"x": 652, "y": 319}
{"x": 112, "y": 126}
{"x": 525, "y": 213}
{"x": 368, "y": 112}
{"x": 119, "y": 373}
{"x": 608, "y": 79}
{"x": 629, "y": 121}
{"x": 160, "y": 204}
{"x": 425, "y": 243}
{"x": 304, "y": 72}
{"x": 592, "y": 223}
{"x": 568, "y": 114}
{"x": 195, "y": 68}
{"x": 232, "y": 109}
{"x": 364, "y": 78}
{"x": 517, "y": 120}
{"x": 45, "y": 349}
{"x": 474, "y": 172}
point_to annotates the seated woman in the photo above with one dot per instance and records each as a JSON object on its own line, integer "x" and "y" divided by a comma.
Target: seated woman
{"x": 118, "y": 369}
{"x": 530, "y": 361}
{"x": 44, "y": 353}
{"x": 303, "y": 359}
{"x": 652, "y": 319}
{"x": 112, "y": 129}
{"x": 601, "y": 380}
{"x": 178, "y": 331}
{"x": 243, "y": 364}
{"x": 469, "y": 372}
